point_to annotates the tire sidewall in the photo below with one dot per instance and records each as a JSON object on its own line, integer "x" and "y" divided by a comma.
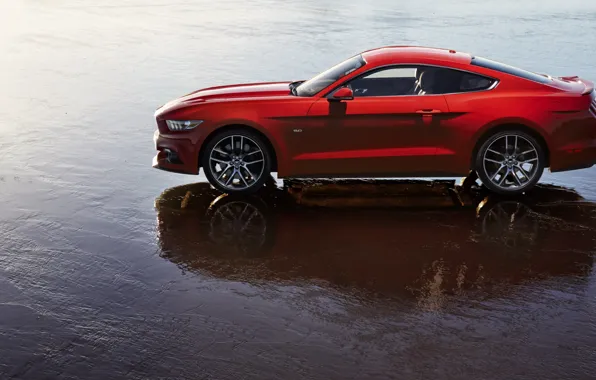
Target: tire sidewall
{"x": 479, "y": 163}
{"x": 240, "y": 132}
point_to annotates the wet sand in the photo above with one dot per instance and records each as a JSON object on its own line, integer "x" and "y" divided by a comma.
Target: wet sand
{"x": 110, "y": 269}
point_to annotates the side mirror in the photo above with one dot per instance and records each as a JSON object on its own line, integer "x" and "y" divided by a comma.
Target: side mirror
{"x": 343, "y": 93}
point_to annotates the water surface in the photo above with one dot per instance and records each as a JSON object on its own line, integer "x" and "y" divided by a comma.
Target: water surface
{"x": 104, "y": 275}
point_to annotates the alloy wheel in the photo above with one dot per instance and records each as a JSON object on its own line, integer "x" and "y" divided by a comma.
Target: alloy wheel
{"x": 511, "y": 162}
{"x": 237, "y": 162}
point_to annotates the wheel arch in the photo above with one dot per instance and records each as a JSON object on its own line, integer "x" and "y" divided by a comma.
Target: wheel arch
{"x": 508, "y": 125}
{"x": 243, "y": 126}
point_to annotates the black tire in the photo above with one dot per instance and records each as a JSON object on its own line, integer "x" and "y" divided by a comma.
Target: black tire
{"x": 209, "y": 170}
{"x": 240, "y": 226}
{"x": 512, "y": 134}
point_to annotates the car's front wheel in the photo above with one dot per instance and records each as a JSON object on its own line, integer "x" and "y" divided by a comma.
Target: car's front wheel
{"x": 510, "y": 162}
{"x": 236, "y": 161}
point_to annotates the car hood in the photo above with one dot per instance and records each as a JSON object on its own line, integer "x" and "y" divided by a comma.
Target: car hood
{"x": 247, "y": 90}
{"x": 229, "y": 92}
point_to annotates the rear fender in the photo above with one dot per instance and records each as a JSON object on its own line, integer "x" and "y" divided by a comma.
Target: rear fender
{"x": 508, "y": 123}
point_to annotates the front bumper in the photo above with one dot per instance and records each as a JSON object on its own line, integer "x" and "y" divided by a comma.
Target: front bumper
{"x": 177, "y": 154}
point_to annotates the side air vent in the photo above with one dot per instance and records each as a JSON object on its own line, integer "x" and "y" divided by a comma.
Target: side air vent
{"x": 593, "y": 104}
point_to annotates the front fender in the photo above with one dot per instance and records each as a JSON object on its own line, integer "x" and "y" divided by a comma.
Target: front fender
{"x": 275, "y": 141}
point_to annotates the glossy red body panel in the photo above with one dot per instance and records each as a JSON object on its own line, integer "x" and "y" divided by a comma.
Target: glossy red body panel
{"x": 387, "y": 136}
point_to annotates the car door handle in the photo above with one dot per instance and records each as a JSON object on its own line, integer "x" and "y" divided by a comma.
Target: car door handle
{"x": 428, "y": 111}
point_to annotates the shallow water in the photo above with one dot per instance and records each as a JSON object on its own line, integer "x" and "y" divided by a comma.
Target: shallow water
{"x": 104, "y": 275}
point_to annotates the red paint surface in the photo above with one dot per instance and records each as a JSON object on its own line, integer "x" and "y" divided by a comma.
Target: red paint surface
{"x": 390, "y": 152}
{"x": 384, "y": 136}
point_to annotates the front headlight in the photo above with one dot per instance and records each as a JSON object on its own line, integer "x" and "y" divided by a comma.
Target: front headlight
{"x": 182, "y": 125}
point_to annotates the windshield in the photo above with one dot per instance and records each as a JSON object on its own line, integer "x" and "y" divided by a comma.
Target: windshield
{"x": 326, "y": 78}
{"x": 497, "y": 66}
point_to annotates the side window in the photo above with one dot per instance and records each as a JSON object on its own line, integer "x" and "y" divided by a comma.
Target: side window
{"x": 473, "y": 82}
{"x": 448, "y": 81}
{"x": 392, "y": 81}
{"x": 417, "y": 80}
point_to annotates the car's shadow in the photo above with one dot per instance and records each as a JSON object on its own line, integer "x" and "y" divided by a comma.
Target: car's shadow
{"x": 411, "y": 246}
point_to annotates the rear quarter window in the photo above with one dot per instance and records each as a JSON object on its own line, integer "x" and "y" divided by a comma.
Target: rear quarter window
{"x": 501, "y": 67}
{"x": 471, "y": 82}
{"x": 451, "y": 81}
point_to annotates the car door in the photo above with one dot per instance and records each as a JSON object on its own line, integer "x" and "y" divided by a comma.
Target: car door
{"x": 471, "y": 106}
{"x": 385, "y": 130}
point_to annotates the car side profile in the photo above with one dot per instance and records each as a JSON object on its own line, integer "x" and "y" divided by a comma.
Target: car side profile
{"x": 385, "y": 113}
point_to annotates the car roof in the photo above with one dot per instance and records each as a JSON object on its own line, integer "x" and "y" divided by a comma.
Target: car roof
{"x": 414, "y": 54}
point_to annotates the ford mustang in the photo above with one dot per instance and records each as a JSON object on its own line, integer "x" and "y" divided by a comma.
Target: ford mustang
{"x": 388, "y": 112}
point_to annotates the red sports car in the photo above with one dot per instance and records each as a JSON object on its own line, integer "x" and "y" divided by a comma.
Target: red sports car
{"x": 387, "y": 112}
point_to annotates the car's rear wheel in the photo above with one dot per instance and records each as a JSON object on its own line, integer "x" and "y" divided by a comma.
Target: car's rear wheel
{"x": 510, "y": 162}
{"x": 236, "y": 161}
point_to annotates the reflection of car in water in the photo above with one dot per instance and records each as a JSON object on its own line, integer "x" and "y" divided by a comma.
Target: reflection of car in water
{"x": 408, "y": 248}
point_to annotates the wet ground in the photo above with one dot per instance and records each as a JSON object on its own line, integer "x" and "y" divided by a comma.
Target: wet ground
{"x": 110, "y": 269}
